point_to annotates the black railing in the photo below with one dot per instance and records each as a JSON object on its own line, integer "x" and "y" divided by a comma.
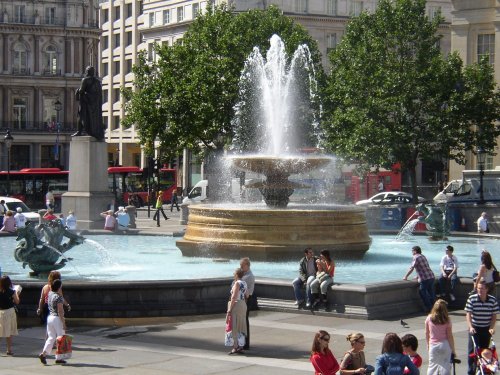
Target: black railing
{"x": 33, "y": 127}
{"x": 42, "y": 20}
{"x": 51, "y": 72}
{"x": 21, "y": 71}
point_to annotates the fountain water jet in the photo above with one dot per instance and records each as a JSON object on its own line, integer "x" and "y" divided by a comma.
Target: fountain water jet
{"x": 281, "y": 124}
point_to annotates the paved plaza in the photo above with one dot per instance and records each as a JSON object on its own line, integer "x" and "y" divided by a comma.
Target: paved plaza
{"x": 280, "y": 342}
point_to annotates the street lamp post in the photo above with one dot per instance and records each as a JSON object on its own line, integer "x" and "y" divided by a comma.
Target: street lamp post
{"x": 57, "y": 107}
{"x": 8, "y": 139}
{"x": 481, "y": 158}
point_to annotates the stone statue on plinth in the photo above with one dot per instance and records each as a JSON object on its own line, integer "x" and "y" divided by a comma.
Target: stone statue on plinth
{"x": 90, "y": 109}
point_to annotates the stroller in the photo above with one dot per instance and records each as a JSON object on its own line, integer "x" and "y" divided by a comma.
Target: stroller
{"x": 486, "y": 358}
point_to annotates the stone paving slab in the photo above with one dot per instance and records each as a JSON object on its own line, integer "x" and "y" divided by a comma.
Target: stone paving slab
{"x": 194, "y": 345}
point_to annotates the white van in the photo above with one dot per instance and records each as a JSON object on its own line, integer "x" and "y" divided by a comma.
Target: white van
{"x": 468, "y": 189}
{"x": 198, "y": 193}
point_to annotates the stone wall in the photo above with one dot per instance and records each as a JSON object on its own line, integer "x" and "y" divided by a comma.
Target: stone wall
{"x": 388, "y": 300}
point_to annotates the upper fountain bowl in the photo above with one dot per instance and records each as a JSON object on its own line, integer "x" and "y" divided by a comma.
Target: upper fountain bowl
{"x": 279, "y": 165}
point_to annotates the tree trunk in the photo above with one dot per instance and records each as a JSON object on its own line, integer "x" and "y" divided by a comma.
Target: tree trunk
{"x": 413, "y": 181}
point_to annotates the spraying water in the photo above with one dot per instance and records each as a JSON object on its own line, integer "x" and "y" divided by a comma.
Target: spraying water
{"x": 276, "y": 114}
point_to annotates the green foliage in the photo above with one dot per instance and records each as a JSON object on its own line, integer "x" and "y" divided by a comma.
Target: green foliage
{"x": 393, "y": 97}
{"x": 187, "y": 97}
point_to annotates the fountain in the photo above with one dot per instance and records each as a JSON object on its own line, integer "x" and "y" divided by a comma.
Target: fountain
{"x": 270, "y": 96}
{"x": 40, "y": 248}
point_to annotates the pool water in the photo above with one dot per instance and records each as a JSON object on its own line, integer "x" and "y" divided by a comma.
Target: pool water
{"x": 125, "y": 258}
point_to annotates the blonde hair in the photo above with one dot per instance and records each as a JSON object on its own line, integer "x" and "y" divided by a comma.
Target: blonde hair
{"x": 353, "y": 337}
{"x": 439, "y": 312}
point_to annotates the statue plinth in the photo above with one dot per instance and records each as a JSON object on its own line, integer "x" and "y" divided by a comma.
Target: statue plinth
{"x": 88, "y": 193}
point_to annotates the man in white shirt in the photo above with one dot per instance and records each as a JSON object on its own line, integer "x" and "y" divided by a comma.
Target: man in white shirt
{"x": 49, "y": 200}
{"x": 20, "y": 218}
{"x": 2, "y": 211}
{"x": 251, "y": 300}
{"x": 449, "y": 269}
{"x": 71, "y": 221}
{"x": 482, "y": 223}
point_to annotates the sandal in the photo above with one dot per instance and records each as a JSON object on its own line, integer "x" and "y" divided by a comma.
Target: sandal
{"x": 9, "y": 353}
{"x": 240, "y": 350}
{"x": 234, "y": 351}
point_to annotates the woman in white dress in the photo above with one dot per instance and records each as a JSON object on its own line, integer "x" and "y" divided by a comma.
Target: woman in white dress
{"x": 439, "y": 337}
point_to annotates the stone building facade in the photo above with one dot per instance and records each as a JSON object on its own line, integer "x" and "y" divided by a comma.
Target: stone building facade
{"x": 475, "y": 33}
{"x": 45, "y": 47}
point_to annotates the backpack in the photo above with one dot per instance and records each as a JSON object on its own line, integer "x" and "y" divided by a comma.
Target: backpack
{"x": 393, "y": 366}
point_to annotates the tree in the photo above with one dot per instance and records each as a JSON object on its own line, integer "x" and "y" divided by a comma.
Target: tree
{"x": 392, "y": 96}
{"x": 194, "y": 84}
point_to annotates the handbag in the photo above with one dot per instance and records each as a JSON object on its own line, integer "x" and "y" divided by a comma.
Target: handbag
{"x": 64, "y": 350}
{"x": 496, "y": 275}
{"x": 228, "y": 337}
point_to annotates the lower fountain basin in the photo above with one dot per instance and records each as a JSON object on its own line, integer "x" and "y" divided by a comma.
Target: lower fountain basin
{"x": 274, "y": 234}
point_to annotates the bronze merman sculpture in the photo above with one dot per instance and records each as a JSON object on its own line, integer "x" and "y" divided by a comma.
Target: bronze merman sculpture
{"x": 436, "y": 220}
{"x": 40, "y": 248}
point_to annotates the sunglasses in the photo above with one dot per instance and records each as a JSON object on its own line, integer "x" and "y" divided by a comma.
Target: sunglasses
{"x": 327, "y": 339}
{"x": 361, "y": 342}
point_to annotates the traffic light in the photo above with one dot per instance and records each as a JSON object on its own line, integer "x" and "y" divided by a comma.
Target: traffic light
{"x": 157, "y": 166}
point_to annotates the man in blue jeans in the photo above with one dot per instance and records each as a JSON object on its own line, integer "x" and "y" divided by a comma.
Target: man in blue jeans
{"x": 307, "y": 269}
{"x": 425, "y": 277}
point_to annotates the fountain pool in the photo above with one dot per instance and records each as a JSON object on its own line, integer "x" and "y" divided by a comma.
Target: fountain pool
{"x": 126, "y": 258}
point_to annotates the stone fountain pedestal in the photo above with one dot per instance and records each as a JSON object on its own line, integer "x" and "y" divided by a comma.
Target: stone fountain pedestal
{"x": 274, "y": 234}
{"x": 88, "y": 193}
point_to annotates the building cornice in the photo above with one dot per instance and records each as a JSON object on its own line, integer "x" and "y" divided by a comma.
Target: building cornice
{"x": 46, "y": 30}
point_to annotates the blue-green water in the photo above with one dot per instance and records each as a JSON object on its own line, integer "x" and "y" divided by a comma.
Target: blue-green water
{"x": 113, "y": 257}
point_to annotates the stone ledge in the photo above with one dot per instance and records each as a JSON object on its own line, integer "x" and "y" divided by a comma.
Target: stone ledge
{"x": 388, "y": 300}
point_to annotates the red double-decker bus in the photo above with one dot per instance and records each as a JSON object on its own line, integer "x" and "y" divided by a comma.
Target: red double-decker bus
{"x": 31, "y": 184}
{"x": 127, "y": 181}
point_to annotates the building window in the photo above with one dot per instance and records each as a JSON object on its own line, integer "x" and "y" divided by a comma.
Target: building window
{"x": 166, "y": 16}
{"x": 165, "y": 43}
{"x": 49, "y": 113}
{"x": 105, "y": 15}
{"x": 196, "y": 10}
{"x": 486, "y": 47}
{"x": 180, "y": 14}
{"x": 117, "y": 68}
{"x": 117, "y": 40}
{"x": 104, "y": 96}
{"x": 129, "y": 66}
{"x": 151, "y": 49}
{"x": 105, "y": 42}
{"x": 152, "y": 19}
{"x": 116, "y": 94}
{"x": 129, "y": 10}
{"x": 356, "y": 8}
{"x": 116, "y": 122}
{"x": 105, "y": 69}
{"x": 129, "y": 38}
{"x": 331, "y": 42}
{"x": 117, "y": 13}
{"x": 434, "y": 11}
{"x": 50, "y": 16}
{"x": 331, "y": 7}
{"x": 20, "y": 113}
{"x": 20, "y": 13}
{"x": 20, "y": 59}
{"x": 50, "y": 60}
{"x": 300, "y": 6}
